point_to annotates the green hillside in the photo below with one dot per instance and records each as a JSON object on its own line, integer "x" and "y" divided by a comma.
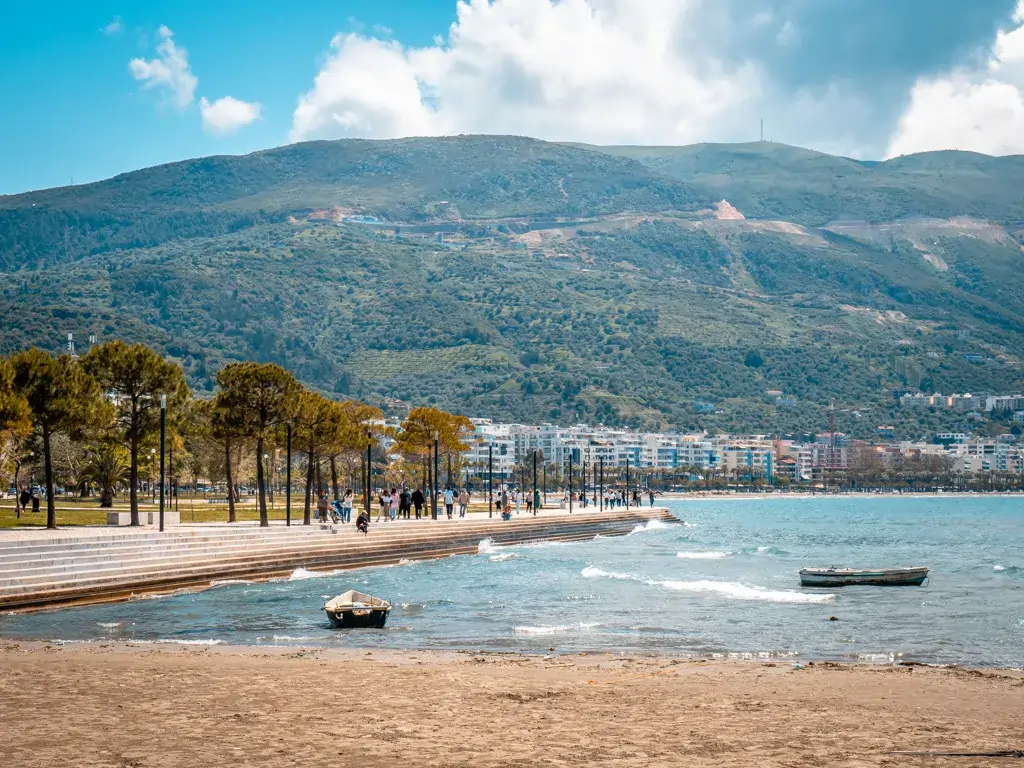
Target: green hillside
{"x": 571, "y": 285}
{"x": 768, "y": 180}
{"x": 476, "y": 177}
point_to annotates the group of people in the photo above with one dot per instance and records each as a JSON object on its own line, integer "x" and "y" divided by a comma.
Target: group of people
{"x": 399, "y": 503}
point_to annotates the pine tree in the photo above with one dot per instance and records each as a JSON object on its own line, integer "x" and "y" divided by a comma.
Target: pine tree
{"x": 136, "y": 377}
{"x": 61, "y": 397}
{"x": 256, "y": 400}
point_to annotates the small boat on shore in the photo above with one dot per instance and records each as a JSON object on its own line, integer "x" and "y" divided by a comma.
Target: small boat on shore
{"x": 879, "y": 577}
{"x": 353, "y": 610}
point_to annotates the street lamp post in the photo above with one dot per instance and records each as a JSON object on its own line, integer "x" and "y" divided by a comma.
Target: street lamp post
{"x": 629, "y": 499}
{"x": 433, "y": 490}
{"x": 369, "y": 465}
{"x": 152, "y": 473}
{"x": 570, "y": 481}
{"x": 163, "y": 445}
{"x": 288, "y": 481}
{"x": 602, "y": 482}
{"x": 536, "y": 497}
{"x": 490, "y": 481}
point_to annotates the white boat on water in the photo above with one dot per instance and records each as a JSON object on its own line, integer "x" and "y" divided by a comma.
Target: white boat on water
{"x": 353, "y": 610}
{"x": 913, "y": 576}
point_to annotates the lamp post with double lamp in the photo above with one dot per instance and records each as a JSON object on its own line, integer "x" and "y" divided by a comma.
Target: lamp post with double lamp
{"x": 601, "y": 460}
{"x": 490, "y": 481}
{"x": 163, "y": 446}
{"x": 433, "y": 491}
{"x": 629, "y": 499}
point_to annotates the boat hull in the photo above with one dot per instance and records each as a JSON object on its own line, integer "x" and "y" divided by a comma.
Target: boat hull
{"x": 904, "y": 577}
{"x": 374, "y": 618}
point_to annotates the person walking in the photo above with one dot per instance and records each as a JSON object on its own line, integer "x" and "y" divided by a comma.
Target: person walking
{"x": 322, "y": 508}
{"x": 346, "y": 506}
{"x": 650, "y": 494}
{"x": 463, "y": 502}
{"x": 337, "y": 512}
{"x": 517, "y": 495}
{"x": 536, "y": 501}
{"x": 449, "y": 501}
{"x": 395, "y": 501}
{"x": 418, "y": 500}
{"x": 404, "y": 503}
{"x": 383, "y": 505}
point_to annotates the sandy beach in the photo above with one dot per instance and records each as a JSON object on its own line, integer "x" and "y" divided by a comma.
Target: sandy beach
{"x": 150, "y": 706}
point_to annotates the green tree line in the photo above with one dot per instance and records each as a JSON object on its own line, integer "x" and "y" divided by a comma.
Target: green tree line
{"x": 99, "y": 416}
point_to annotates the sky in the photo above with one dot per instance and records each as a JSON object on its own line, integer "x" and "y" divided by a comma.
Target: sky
{"x": 90, "y": 90}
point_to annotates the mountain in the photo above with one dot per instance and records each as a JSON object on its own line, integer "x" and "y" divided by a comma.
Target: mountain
{"x": 526, "y": 280}
{"x": 475, "y": 177}
{"x": 768, "y": 180}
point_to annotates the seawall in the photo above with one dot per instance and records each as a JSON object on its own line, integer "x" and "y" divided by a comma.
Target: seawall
{"x": 68, "y": 568}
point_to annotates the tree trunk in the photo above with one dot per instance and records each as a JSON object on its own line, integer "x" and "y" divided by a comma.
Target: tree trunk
{"x": 106, "y": 499}
{"x": 261, "y": 490}
{"x": 17, "y": 489}
{"x": 310, "y": 477}
{"x": 133, "y": 477}
{"x": 334, "y": 478}
{"x": 51, "y": 510}
{"x": 228, "y": 480}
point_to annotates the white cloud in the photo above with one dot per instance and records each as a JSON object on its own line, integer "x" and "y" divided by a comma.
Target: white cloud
{"x": 603, "y": 71}
{"x": 228, "y": 114}
{"x": 978, "y": 108}
{"x": 115, "y": 26}
{"x": 169, "y": 70}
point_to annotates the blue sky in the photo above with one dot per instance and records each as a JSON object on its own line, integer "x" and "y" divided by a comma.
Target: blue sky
{"x": 868, "y": 78}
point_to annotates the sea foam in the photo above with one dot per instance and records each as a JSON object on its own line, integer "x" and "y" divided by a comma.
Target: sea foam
{"x": 486, "y": 547}
{"x": 650, "y": 525}
{"x": 727, "y": 589}
{"x": 702, "y": 555}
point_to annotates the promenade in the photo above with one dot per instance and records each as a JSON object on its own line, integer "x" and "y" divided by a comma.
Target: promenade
{"x": 42, "y": 568}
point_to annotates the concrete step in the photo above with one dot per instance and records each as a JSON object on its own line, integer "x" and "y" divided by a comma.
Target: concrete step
{"x": 283, "y": 560}
{"x": 92, "y": 545}
{"x": 170, "y": 557}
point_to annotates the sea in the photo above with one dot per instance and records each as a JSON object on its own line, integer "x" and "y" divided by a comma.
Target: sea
{"x": 721, "y": 583}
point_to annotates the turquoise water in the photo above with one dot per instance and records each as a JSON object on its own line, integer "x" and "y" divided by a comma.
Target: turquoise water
{"x": 724, "y": 583}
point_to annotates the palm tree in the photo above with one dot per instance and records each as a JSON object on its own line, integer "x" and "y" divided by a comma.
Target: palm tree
{"x": 107, "y": 469}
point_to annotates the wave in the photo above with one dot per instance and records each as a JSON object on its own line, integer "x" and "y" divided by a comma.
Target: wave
{"x": 1009, "y": 570}
{"x": 879, "y": 658}
{"x": 729, "y": 589}
{"x": 108, "y": 624}
{"x": 301, "y": 574}
{"x": 769, "y": 550}
{"x": 229, "y": 582}
{"x": 486, "y": 547}
{"x": 503, "y": 557}
{"x": 175, "y": 641}
{"x": 650, "y": 525}
{"x": 702, "y": 555}
{"x": 296, "y": 638}
{"x": 561, "y": 629}
{"x": 590, "y": 572}
{"x": 737, "y": 591}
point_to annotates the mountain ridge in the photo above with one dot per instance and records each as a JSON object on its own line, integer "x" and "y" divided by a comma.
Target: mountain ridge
{"x": 538, "y": 281}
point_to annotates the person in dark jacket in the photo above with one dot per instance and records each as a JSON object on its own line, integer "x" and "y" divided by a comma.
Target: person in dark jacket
{"x": 418, "y": 500}
{"x": 25, "y": 498}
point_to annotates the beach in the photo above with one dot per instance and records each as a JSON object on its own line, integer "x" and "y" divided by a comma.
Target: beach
{"x": 151, "y": 706}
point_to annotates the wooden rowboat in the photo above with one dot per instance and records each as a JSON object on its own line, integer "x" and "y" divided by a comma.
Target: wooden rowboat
{"x": 355, "y": 610}
{"x": 880, "y": 577}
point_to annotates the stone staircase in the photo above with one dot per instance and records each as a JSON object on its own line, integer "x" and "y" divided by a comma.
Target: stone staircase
{"x": 66, "y": 569}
